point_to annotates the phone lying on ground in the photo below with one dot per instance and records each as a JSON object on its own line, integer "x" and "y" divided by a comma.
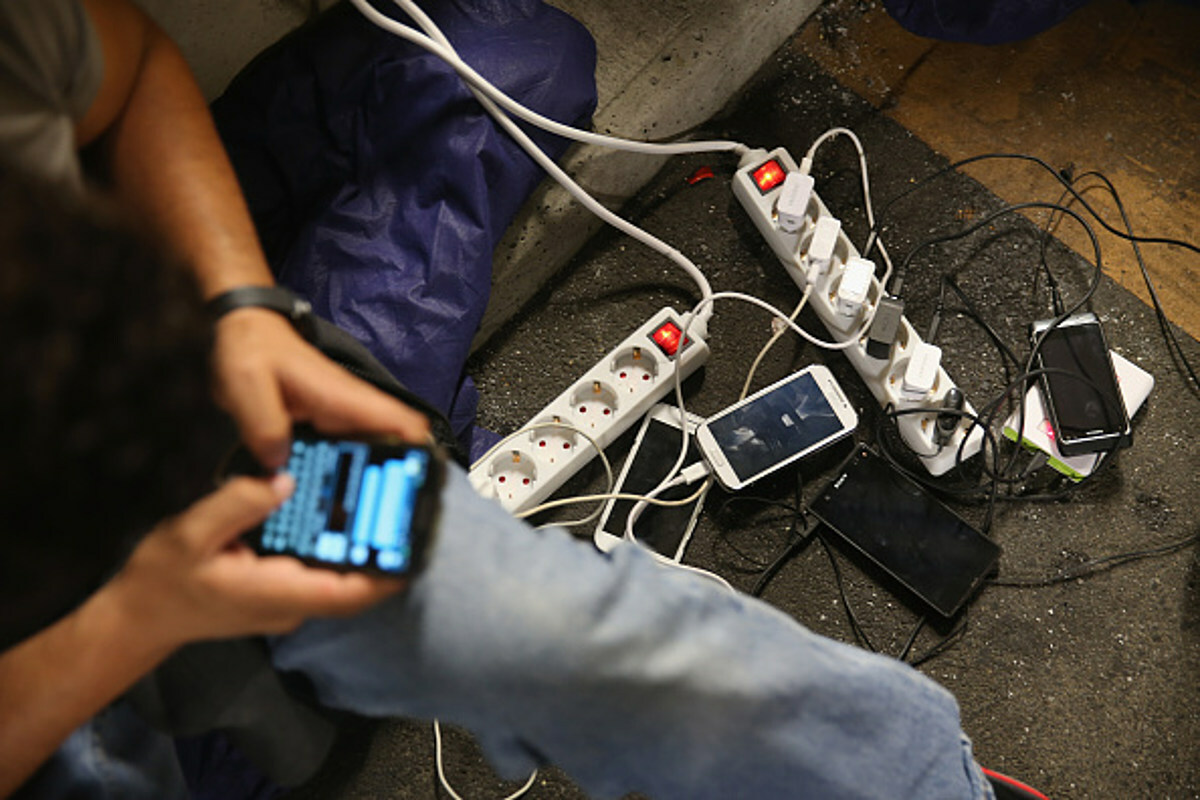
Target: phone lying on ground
{"x": 775, "y": 426}
{"x": 664, "y": 529}
{"x": 904, "y": 530}
{"x": 360, "y": 504}
{"x": 1087, "y": 413}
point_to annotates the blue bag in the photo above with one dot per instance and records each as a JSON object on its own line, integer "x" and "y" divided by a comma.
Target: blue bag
{"x": 980, "y": 21}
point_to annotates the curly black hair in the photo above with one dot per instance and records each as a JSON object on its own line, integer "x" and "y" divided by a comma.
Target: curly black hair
{"x": 105, "y": 403}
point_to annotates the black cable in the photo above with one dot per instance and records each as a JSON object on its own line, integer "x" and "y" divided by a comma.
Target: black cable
{"x": 723, "y": 537}
{"x": 935, "y": 321}
{"x": 797, "y": 534}
{"x": 1089, "y": 568}
{"x": 1173, "y": 345}
{"x": 948, "y": 641}
{"x": 800, "y": 538}
{"x": 856, "y": 628}
{"x": 912, "y": 638}
{"x": 789, "y": 552}
{"x": 973, "y": 312}
{"x": 1067, "y": 182}
{"x": 1056, "y": 303}
{"x": 883, "y": 213}
{"x": 897, "y": 281}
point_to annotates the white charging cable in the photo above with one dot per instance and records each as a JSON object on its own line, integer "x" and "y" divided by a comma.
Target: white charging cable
{"x": 868, "y": 207}
{"x": 437, "y": 43}
{"x": 441, "y": 769}
{"x": 779, "y": 330}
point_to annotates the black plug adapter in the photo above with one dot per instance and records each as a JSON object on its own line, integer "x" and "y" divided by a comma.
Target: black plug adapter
{"x": 884, "y": 327}
{"x": 947, "y": 421}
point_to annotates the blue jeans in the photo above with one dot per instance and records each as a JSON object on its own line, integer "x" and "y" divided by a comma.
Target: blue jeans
{"x": 631, "y": 675}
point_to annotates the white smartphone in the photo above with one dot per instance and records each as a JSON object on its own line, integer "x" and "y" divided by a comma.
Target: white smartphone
{"x": 774, "y": 427}
{"x": 664, "y": 529}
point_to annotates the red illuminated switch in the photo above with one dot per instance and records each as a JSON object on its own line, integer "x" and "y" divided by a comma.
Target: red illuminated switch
{"x": 769, "y": 175}
{"x": 667, "y": 337}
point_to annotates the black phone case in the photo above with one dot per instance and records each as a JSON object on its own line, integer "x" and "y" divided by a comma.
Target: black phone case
{"x": 900, "y": 528}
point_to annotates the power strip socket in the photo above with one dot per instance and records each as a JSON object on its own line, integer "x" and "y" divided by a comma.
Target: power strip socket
{"x": 802, "y": 238}
{"x": 605, "y": 402}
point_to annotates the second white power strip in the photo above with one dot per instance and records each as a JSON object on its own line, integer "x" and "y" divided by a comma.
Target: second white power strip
{"x": 803, "y": 234}
{"x": 604, "y": 403}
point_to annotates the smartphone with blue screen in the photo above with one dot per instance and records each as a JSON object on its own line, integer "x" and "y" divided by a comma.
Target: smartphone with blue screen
{"x": 370, "y": 505}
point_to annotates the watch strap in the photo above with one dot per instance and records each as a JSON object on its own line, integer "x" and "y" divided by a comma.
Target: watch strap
{"x": 274, "y": 298}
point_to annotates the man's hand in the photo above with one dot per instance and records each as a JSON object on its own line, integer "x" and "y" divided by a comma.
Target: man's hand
{"x": 268, "y": 377}
{"x": 192, "y": 578}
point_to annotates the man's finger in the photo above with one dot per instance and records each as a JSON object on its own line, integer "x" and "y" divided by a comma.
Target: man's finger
{"x": 241, "y": 503}
{"x": 315, "y": 591}
{"x": 255, "y": 402}
{"x": 349, "y": 405}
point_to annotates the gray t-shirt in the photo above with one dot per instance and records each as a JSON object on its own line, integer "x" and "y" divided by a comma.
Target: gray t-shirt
{"x": 51, "y": 67}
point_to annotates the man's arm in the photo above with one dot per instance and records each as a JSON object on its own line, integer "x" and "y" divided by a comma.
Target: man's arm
{"x": 164, "y": 159}
{"x": 189, "y": 580}
{"x": 162, "y": 152}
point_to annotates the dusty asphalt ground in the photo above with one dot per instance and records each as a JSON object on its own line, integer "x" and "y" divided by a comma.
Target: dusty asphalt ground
{"x": 1085, "y": 688}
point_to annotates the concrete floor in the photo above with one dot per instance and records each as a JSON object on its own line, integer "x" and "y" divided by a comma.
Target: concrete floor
{"x": 1086, "y": 687}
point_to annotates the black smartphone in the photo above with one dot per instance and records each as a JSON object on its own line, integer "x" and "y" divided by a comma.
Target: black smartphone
{"x": 664, "y": 529}
{"x": 1086, "y": 413}
{"x": 904, "y": 530}
{"x": 360, "y": 504}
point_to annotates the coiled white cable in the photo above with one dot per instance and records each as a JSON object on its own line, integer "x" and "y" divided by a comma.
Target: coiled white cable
{"x": 868, "y": 206}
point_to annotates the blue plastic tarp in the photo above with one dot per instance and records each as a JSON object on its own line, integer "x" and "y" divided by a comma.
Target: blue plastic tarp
{"x": 980, "y": 21}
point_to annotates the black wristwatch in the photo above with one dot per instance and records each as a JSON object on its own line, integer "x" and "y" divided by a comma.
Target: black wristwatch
{"x": 275, "y": 298}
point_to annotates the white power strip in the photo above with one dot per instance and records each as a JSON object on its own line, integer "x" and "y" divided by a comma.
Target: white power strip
{"x": 759, "y": 185}
{"x": 605, "y": 402}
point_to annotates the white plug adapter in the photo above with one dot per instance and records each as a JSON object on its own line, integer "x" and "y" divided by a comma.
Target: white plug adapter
{"x": 921, "y": 373}
{"x": 792, "y": 206}
{"x": 882, "y": 374}
{"x": 818, "y": 252}
{"x": 853, "y": 288}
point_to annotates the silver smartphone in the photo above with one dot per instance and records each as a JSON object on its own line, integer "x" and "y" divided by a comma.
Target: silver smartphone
{"x": 664, "y": 529}
{"x": 1087, "y": 413}
{"x": 776, "y": 426}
